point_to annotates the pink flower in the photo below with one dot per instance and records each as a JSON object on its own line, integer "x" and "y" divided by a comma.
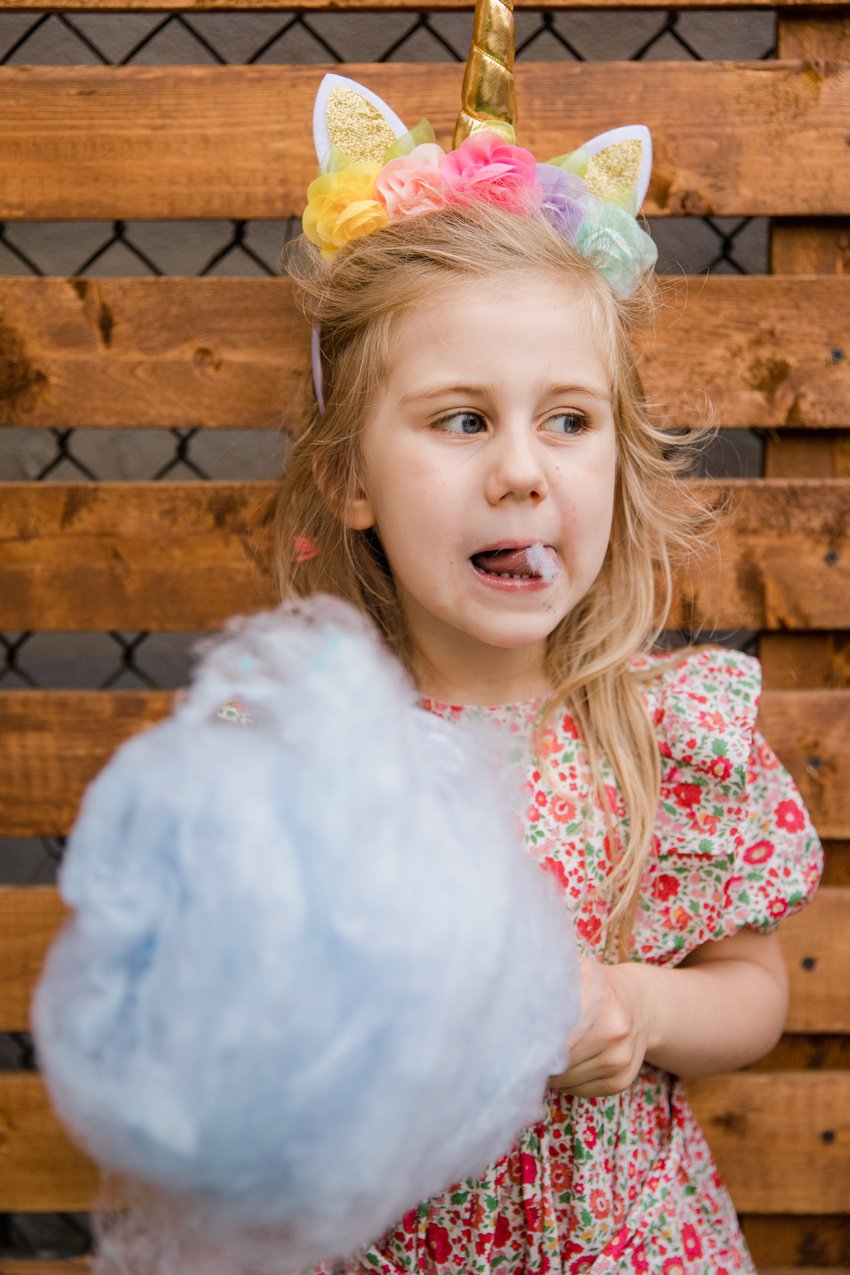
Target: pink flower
{"x": 639, "y": 1262}
{"x": 720, "y": 768}
{"x": 413, "y": 183}
{"x": 790, "y": 816}
{"x": 691, "y": 1241}
{"x": 758, "y": 852}
{"x": 485, "y": 166}
{"x": 529, "y": 1168}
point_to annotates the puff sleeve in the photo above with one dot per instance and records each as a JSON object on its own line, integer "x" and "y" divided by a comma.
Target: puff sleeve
{"x": 734, "y": 844}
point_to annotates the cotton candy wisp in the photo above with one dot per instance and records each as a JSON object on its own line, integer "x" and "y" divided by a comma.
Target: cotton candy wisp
{"x": 540, "y": 562}
{"x": 311, "y": 976}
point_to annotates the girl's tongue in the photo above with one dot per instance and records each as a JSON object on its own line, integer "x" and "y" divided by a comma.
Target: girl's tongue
{"x": 504, "y": 562}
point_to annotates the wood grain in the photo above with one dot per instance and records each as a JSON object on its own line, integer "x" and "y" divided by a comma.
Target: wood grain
{"x": 816, "y": 944}
{"x": 54, "y": 742}
{"x": 183, "y": 556}
{"x": 815, "y": 1241}
{"x": 163, "y": 353}
{"x": 769, "y": 1133}
{"x": 230, "y": 141}
{"x": 204, "y": 6}
{"x": 781, "y": 1140}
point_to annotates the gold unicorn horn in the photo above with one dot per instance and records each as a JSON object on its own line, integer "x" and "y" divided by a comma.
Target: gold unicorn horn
{"x": 489, "y": 98}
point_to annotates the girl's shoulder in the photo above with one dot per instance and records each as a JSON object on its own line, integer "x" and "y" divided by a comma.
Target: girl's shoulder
{"x": 703, "y": 702}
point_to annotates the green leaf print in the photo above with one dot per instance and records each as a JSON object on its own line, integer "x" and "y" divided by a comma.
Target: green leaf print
{"x": 492, "y": 1202}
{"x": 460, "y": 1197}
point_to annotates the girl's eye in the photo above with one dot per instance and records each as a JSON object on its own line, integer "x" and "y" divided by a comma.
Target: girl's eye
{"x": 573, "y": 423}
{"x": 462, "y": 423}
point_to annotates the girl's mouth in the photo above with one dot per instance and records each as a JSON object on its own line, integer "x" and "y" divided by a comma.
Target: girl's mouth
{"x": 504, "y": 562}
{"x": 518, "y": 566}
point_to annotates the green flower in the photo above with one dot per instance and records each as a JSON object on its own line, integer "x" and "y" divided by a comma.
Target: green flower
{"x": 616, "y": 244}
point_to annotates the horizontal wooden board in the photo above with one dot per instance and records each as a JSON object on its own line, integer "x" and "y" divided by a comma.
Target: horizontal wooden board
{"x": 234, "y": 141}
{"x": 819, "y": 1241}
{"x": 781, "y": 1140}
{"x": 767, "y": 352}
{"x": 203, "y": 6}
{"x": 54, "y": 742}
{"x": 160, "y": 555}
{"x": 767, "y": 1132}
{"x": 810, "y": 731}
{"x": 816, "y": 1052}
{"x": 183, "y": 556}
{"x": 816, "y": 943}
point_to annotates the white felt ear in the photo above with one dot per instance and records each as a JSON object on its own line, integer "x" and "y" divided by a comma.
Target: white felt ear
{"x": 355, "y": 118}
{"x": 613, "y": 139}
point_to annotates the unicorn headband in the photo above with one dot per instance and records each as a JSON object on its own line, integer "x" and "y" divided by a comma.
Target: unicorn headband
{"x": 373, "y": 170}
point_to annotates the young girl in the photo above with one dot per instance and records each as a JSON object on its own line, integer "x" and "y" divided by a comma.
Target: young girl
{"x": 479, "y": 471}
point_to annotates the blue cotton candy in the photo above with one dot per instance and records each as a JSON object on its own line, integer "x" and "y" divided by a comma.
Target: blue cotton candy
{"x": 311, "y": 976}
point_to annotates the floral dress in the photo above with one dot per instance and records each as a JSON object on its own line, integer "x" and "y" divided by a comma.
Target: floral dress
{"x": 627, "y": 1183}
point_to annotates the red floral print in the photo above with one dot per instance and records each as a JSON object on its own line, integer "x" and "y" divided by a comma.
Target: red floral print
{"x": 790, "y": 817}
{"x": 666, "y": 886}
{"x": 438, "y": 1242}
{"x": 691, "y": 1241}
{"x": 759, "y": 852}
{"x": 602, "y": 1181}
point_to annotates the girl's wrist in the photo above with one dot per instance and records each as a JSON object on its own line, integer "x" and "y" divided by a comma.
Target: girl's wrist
{"x": 643, "y": 981}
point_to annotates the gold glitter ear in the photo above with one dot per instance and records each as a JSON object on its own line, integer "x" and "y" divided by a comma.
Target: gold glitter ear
{"x": 356, "y": 126}
{"x": 612, "y": 173}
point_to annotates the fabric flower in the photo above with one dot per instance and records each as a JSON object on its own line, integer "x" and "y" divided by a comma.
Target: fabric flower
{"x": 562, "y": 199}
{"x": 486, "y": 167}
{"x": 341, "y": 206}
{"x": 413, "y": 183}
{"x": 613, "y": 240}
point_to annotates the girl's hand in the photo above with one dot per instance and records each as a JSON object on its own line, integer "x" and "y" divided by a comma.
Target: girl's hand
{"x": 609, "y": 1044}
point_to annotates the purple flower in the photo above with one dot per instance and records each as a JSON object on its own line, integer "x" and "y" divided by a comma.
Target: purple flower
{"x": 563, "y": 198}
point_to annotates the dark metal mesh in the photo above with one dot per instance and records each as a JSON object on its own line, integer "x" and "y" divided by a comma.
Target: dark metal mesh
{"x": 139, "y": 660}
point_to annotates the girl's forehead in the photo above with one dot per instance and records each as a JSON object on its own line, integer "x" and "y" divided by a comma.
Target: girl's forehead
{"x": 531, "y": 320}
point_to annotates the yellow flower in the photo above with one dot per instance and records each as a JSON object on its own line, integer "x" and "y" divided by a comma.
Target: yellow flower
{"x": 342, "y": 206}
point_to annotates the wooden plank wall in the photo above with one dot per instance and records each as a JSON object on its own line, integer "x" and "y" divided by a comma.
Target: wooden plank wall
{"x": 767, "y": 138}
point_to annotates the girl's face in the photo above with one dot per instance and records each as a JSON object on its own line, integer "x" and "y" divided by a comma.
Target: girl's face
{"x": 494, "y": 430}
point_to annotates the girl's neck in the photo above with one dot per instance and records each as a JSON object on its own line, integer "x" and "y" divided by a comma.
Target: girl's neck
{"x": 482, "y": 685}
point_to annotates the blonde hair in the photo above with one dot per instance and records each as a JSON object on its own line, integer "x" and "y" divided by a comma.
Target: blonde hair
{"x": 354, "y": 302}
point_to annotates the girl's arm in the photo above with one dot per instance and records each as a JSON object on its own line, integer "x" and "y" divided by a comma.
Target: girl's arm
{"x": 723, "y": 1007}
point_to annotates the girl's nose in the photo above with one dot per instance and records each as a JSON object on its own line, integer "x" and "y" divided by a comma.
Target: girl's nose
{"x": 516, "y": 469}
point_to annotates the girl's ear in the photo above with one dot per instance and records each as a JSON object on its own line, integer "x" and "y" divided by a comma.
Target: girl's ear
{"x": 351, "y": 119}
{"x": 358, "y": 513}
{"x": 354, "y": 511}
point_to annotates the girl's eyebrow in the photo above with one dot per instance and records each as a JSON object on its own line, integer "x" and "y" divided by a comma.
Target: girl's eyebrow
{"x": 481, "y": 391}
